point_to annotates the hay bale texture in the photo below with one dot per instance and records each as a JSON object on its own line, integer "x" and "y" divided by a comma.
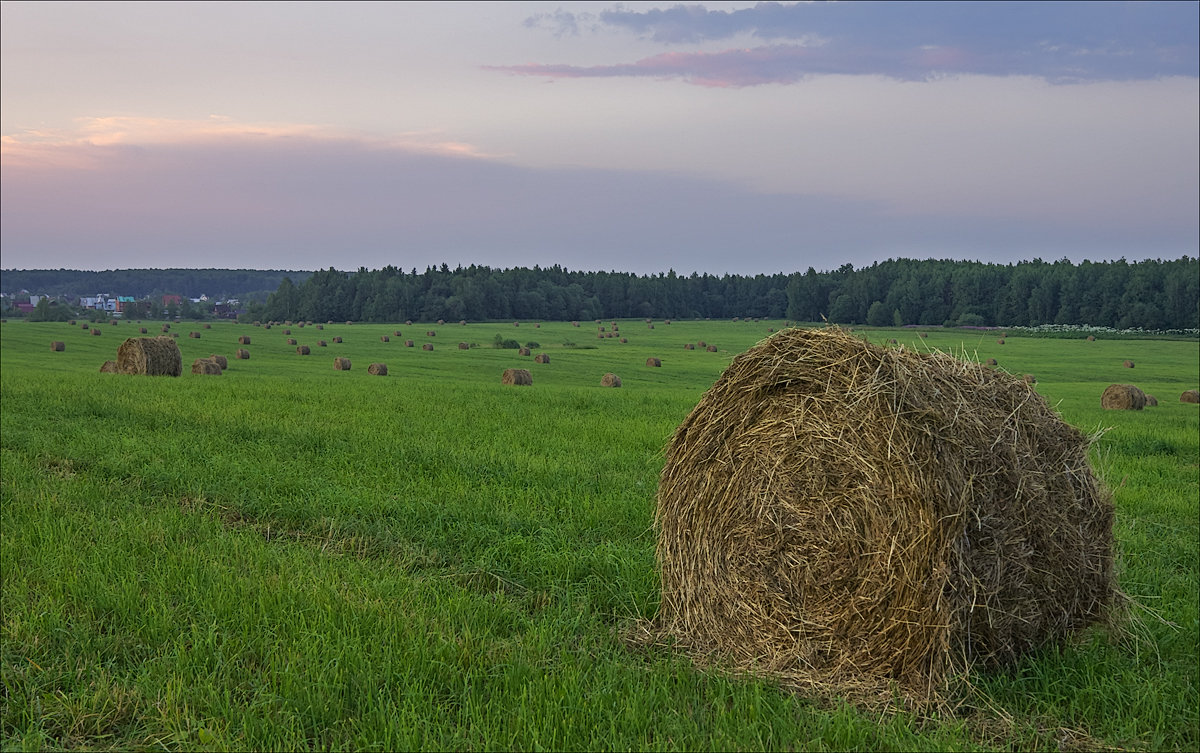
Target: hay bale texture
{"x": 341, "y": 364}
{"x": 517, "y": 377}
{"x": 610, "y": 380}
{"x": 206, "y": 366}
{"x": 1190, "y": 396}
{"x": 377, "y": 369}
{"x": 152, "y": 356}
{"x": 219, "y": 360}
{"x": 1122, "y": 397}
{"x": 655, "y": 362}
{"x": 109, "y": 367}
{"x": 242, "y": 353}
{"x": 541, "y": 358}
{"x": 1151, "y": 401}
{"x": 844, "y": 516}
{"x": 58, "y": 346}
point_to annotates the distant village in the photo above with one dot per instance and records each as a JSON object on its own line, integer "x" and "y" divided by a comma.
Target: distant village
{"x": 25, "y": 303}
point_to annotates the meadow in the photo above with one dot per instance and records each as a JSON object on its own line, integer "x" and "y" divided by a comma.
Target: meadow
{"x": 292, "y": 557}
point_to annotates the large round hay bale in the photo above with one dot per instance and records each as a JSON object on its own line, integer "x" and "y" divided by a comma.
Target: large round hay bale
{"x": 655, "y": 362}
{"x": 205, "y": 366}
{"x": 409, "y": 344}
{"x": 152, "y": 356}
{"x": 1000, "y": 341}
{"x": 287, "y": 332}
{"x": 537, "y": 326}
{"x": 219, "y": 360}
{"x": 291, "y": 341}
{"x": 689, "y": 346}
{"x": 856, "y": 519}
{"x": 1151, "y": 401}
{"x": 377, "y": 369}
{"x": 242, "y": 354}
{"x": 610, "y": 380}
{"x": 524, "y": 351}
{"x": 430, "y": 333}
{"x": 322, "y": 344}
{"x": 109, "y": 367}
{"x": 244, "y": 340}
{"x": 1128, "y": 364}
{"x": 194, "y": 335}
{"x": 541, "y": 358}
{"x": 441, "y": 322}
{"x": 337, "y": 339}
{"x": 1190, "y": 396}
{"x": 397, "y": 333}
{"x": 464, "y": 346}
{"x": 1122, "y": 397}
{"x": 624, "y": 339}
{"x": 516, "y": 376}
{"x": 341, "y": 364}
{"x": 992, "y": 362}
{"x": 206, "y": 326}
{"x": 427, "y": 346}
{"x": 1091, "y": 338}
{"x": 701, "y": 344}
{"x": 303, "y": 350}
{"x": 711, "y": 349}
{"x": 71, "y": 322}
{"x": 58, "y": 346}
{"x": 1029, "y": 379}
{"x": 320, "y": 326}
{"x": 142, "y": 330}
{"x": 95, "y": 332}
{"x": 384, "y": 339}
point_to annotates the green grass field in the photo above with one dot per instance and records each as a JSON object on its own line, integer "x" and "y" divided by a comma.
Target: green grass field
{"x": 292, "y": 557}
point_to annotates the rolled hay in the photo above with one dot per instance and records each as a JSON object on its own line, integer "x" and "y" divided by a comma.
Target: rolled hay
{"x": 291, "y": 341}
{"x": 1000, "y": 341}
{"x": 348, "y": 323}
{"x": 384, "y": 339}
{"x": 427, "y": 346}
{"x": 599, "y": 335}
{"x": 244, "y": 340}
{"x": 287, "y": 332}
{"x": 85, "y": 325}
{"x": 206, "y": 326}
{"x": 541, "y": 358}
{"x": 242, "y": 353}
{"x": 711, "y": 349}
{"x": 1190, "y": 396}
{"x": 857, "y": 520}
{"x": 441, "y": 322}
{"x": 194, "y": 335}
{"x": 1029, "y": 379}
{"x": 1091, "y": 338}
{"x": 58, "y": 346}
{"x": 205, "y": 366}
{"x": 377, "y": 369}
{"x": 71, "y": 322}
{"x": 322, "y": 344}
{"x": 524, "y": 352}
{"x": 464, "y": 346}
{"x": 1151, "y": 401}
{"x": 668, "y": 321}
{"x": 431, "y": 333}
{"x": 303, "y": 350}
{"x": 517, "y": 377}
{"x": 462, "y": 322}
{"x": 109, "y": 367}
{"x": 701, "y": 344}
{"x": 95, "y": 332}
{"x": 1122, "y": 397}
{"x": 337, "y": 339}
{"x": 574, "y": 324}
{"x": 341, "y": 364}
{"x": 892, "y": 341}
{"x": 689, "y": 346}
{"x": 600, "y": 330}
{"x": 152, "y": 356}
{"x": 396, "y": 333}
{"x": 407, "y": 322}
{"x": 537, "y": 326}
{"x": 320, "y": 326}
{"x": 624, "y": 339}
{"x": 655, "y": 362}
{"x": 409, "y": 344}
{"x": 219, "y": 360}
{"x": 649, "y": 326}
{"x": 992, "y": 362}
{"x": 142, "y": 330}
{"x": 610, "y": 380}
{"x": 608, "y": 334}
{"x": 1128, "y": 364}
{"x": 923, "y": 335}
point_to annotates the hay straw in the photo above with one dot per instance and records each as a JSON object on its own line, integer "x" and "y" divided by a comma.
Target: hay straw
{"x": 58, "y": 346}
{"x": 219, "y": 360}
{"x": 242, "y": 353}
{"x": 464, "y": 346}
{"x": 541, "y": 358}
{"x": 517, "y": 377}
{"x": 610, "y": 380}
{"x": 656, "y": 362}
{"x": 377, "y": 369}
{"x": 341, "y": 364}
{"x": 109, "y": 367}
{"x": 427, "y": 346}
{"x": 1122, "y": 397}
{"x": 152, "y": 356}
{"x": 865, "y": 521}
{"x": 1190, "y": 396}
{"x": 205, "y": 366}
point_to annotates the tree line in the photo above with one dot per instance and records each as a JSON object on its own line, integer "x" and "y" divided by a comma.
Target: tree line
{"x": 1151, "y": 294}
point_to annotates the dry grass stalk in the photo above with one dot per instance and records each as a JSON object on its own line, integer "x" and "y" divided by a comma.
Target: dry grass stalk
{"x": 242, "y": 354}
{"x": 377, "y": 369}
{"x": 1122, "y": 397}
{"x": 58, "y": 346}
{"x": 205, "y": 366}
{"x": 541, "y": 358}
{"x": 517, "y": 377}
{"x": 1190, "y": 396}
{"x": 655, "y": 362}
{"x": 152, "y": 356}
{"x": 858, "y": 520}
{"x": 610, "y": 380}
{"x": 341, "y": 364}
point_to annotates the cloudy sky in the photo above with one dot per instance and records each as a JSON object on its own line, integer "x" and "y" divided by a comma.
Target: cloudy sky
{"x": 711, "y": 137}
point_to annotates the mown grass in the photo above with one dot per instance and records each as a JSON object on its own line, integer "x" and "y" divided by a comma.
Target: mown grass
{"x": 288, "y": 556}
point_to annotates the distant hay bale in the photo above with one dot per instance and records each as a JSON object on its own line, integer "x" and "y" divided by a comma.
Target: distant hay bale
{"x": 650, "y": 326}
{"x": 892, "y": 341}
{"x": 770, "y": 330}
{"x": 624, "y": 339}
{"x": 151, "y": 356}
{"x": 923, "y": 335}
{"x": 610, "y": 380}
{"x": 291, "y": 341}
{"x": 396, "y": 333}
{"x": 205, "y": 366}
{"x": 574, "y": 324}
{"x": 689, "y": 346}
{"x": 1190, "y": 396}
{"x": 608, "y": 334}
{"x": 655, "y": 362}
{"x": 516, "y": 324}
{"x": 1091, "y": 338}
{"x": 95, "y": 332}
{"x": 71, "y": 322}
{"x": 711, "y": 349}
{"x": 194, "y": 335}
{"x": 1029, "y": 379}
{"x": 58, "y": 346}
{"x": 1122, "y": 397}
{"x": 385, "y": 339}
{"x": 701, "y": 344}
{"x": 337, "y": 338}
{"x": 523, "y": 351}
{"x": 408, "y": 322}
{"x": 341, "y": 364}
{"x": 1151, "y": 401}
{"x": 348, "y": 323}
{"x": 114, "y": 322}
{"x": 287, "y": 332}
{"x": 517, "y": 377}
{"x": 537, "y": 326}
{"x": 377, "y": 369}
{"x": 142, "y": 330}
{"x": 863, "y": 521}
{"x": 599, "y": 335}
{"x": 303, "y": 350}
{"x": 219, "y": 360}
{"x": 441, "y": 322}
{"x": 600, "y": 330}
{"x": 427, "y": 346}
{"x": 409, "y": 344}
{"x": 242, "y": 353}
{"x": 463, "y": 346}
{"x": 1128, "y": 364}
{"x": 320, "y": 326}
{"x": 1000, "y": 341}
{"x": 244, "y": 340}
{"x": 992, "y": 362}
{"x": 463, "y": 322}
{"x": 322, "y": 344}
{"x": 109, "y": 367}
{"x": 431, "y": 333}
{"x": 668, "y": 321}
{"x": 615, "y": 328}
{"x": 541, "y": 358}
{"x": 206, "y": 326}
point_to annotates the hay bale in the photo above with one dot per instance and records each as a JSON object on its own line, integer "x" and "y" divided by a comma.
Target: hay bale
{"x": 516, "y": 324}
{"x": 409, "y": 344}
{"x": 523, "y": 352}
{"x": 219, "y": 360}
{"x": 71, "y": 322}
{"x": 385, "y": 339}
{"x": 85, "y": 325}
{"x": 668, "y": 321}
{"x": 322, "y": 344}
{"x": 287, "y": 332}
{"x": 206, "y": 326}
{"x": 701, "y": 344}
{"x": 537, "y": 326}
{"x": 574, "y": 324}
{"x": 711, "y": 349}
{"x": 166, "y": 328}
{"x": 427, "y": 346}
{"x": 441, "y": 322}
{"x": 463, "y": 322}
{"x": 1122, "y": 397}
{"x": 689, "y": 346}
{"x": 855, "y": 520}
{"x": 655, "y": 362}
{"x": 1128, "y": 364}
{"x": 109, "y": 367}
{"x": 244, "y": 340}
{"x": 462, "y": 346}
{"x": 923, "y": 335}
{"x": 599, "y": 335}
{"x": 397, "y": 333}
{"x": 58, "y": 346}
{"x": 1190, "y": 396}
{"x": 610, "y": 380}
{"x": 1151, "y": 401}
{"x": 517, "y": 377}
{"x": 624, "y": 339}
{"x": 291, "y": 341}
{"x": 431, "y": 333}
{"x": 650, "y": 326}
{"x": 206, "y": 367}
{"x": 541, "y": 358}
{"x": 337, "y": 339}
{"x": 992, "y": 362}
{"x": 320, "y": 326}
{"x": 194, "y": 335}
{"x": 341, "y": 364}
{"x": 377, "y": 369}
{"x": 1029, "y": 379}
{"x": 142, "y": 330}
{"x": 1091, "y": 338}
{"x": 95, "y": 332}
{"x": 407, "y": 322}
{"x": 242, "y": 354}
{"x": 152, "y": 356}
{"x": 1000, "y": 341}
{"x": 303, "y": 350}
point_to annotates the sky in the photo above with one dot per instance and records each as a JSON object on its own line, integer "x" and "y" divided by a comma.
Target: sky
{"x": 727, "y": 137}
